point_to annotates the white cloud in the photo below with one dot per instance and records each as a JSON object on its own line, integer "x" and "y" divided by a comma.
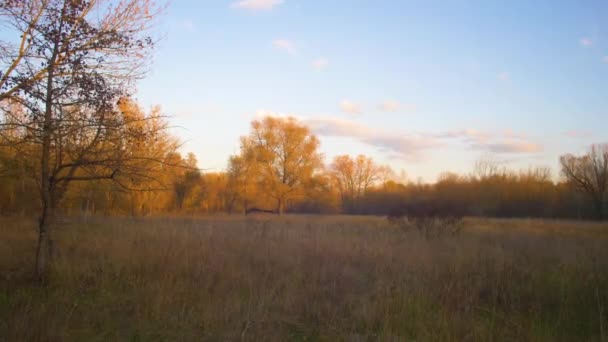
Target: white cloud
{"x": 605, "y": 59}
{"x": 412, "y": 145}
{"x": 405, "y": 146}
{"x": 320, "y": 63}
{"x": 504, "y": 76}
{"x": 471, "y": 133}
{"x": 350, "y": 107}
{"x": 285, "y": 45}
{"x": 256, "y": 5}
{"x": 508, "y": 146}
{"x": 338, "y": 127}
{"x": 507, "y": 142}
{"x": 586, "y": 41}
{"x": 468, "y": 135}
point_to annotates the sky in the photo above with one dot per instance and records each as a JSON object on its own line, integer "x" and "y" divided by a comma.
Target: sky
{"x": 423, "y": 86}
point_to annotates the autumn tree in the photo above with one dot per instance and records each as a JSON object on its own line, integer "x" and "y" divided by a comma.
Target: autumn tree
{"x": 354, "y": 176}
{"x": 213, "y": 195}
{"x": 69, "y": 64}
{"x": 241, "y": 185}
{"x": 321, "y": 196}
{"x": 186, "y": 181}
{"x": 589, "y": 174}
{"x": 284, "y": 155}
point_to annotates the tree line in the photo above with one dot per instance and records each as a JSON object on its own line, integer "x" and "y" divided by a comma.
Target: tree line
{"x": 279, "y": 168}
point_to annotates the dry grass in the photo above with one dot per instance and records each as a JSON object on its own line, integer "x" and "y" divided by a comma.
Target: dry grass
{"x": 306, "y": 278}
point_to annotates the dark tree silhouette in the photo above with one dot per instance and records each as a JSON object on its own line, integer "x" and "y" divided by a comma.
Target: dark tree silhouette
{"x": 589, "y": 173}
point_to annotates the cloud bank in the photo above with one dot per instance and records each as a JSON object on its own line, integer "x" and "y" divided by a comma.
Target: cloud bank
{"x": 407, "y": 146}
{"x": 413, "y": 146}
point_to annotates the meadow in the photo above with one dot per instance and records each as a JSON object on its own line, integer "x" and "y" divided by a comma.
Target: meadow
{"x": 305, "y": 278}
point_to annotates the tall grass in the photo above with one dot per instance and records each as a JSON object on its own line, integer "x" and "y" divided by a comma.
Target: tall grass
{"x": 306, "y": 278}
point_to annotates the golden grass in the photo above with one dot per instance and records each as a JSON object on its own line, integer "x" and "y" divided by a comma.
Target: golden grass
{"x": 306, "y": 278}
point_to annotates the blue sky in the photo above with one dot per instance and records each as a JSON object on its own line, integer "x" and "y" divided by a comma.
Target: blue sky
{"x": 424, "y": 86}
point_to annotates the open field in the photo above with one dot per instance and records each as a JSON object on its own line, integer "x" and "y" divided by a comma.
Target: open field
{"x": 306, "y": 278}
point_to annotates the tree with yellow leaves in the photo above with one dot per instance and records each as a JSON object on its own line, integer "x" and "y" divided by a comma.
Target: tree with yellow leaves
{"x": 284, "y": 155}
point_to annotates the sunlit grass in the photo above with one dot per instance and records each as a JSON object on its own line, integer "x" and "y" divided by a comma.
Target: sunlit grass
{"x": 306, "y": 278}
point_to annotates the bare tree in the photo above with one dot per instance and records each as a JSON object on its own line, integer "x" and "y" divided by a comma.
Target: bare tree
{"x": 589, "y": 173}
{"x": 73, "y": 60}
{"x": 487, "y": 166}
{"x": 343, "y": 174}
{"x": 366, "y": 174}
{"x": 354, "y": 176}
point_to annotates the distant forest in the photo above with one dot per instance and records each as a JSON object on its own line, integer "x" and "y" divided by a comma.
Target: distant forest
{"x": 280, "y": 168}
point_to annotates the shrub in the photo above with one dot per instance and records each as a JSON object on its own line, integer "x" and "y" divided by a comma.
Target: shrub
{"x": 431, "y": 219}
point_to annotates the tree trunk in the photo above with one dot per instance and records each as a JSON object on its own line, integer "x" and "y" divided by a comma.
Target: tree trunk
{"x": 280, "y": 206}
{"x": 44, "y": 251}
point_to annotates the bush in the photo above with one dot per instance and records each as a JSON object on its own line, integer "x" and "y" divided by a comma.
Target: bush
{"x": 431, "y": 219}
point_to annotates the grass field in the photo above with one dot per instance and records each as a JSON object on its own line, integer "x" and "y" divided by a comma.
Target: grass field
{"x": 306, "y": 278}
